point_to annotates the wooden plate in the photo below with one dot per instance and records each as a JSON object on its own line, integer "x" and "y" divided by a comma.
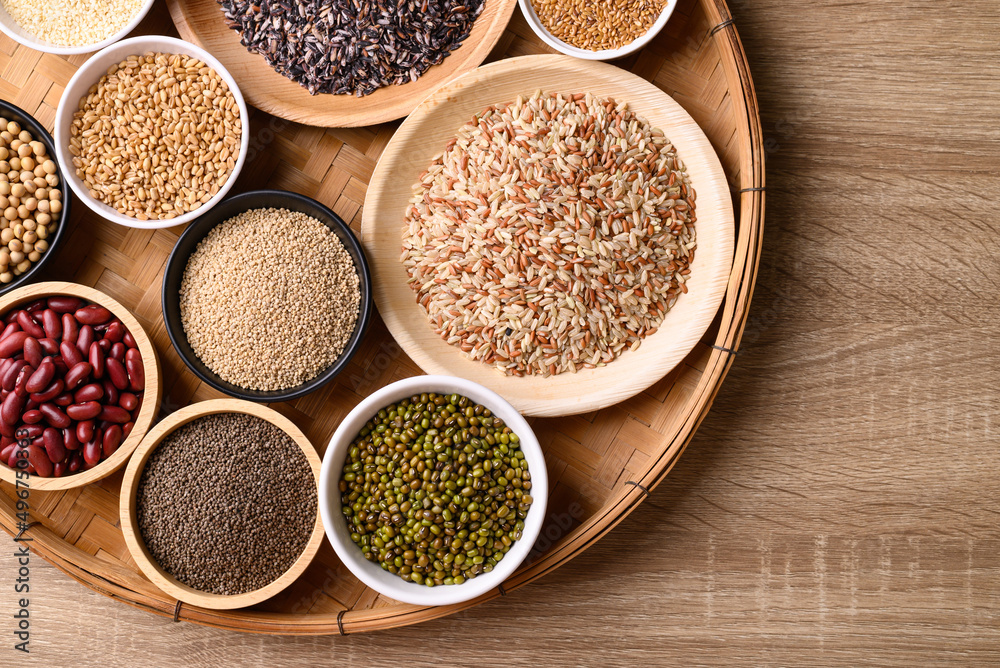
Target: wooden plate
{"x": 424, "y": 135}
{"x": 129, "y": 523}
{"x": 202, "y": 22}
{"x": 151, "y": 393}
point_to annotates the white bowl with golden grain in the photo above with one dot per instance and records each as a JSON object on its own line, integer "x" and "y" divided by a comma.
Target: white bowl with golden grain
{"x": 90, "y": 73}
{"x": 17, "y": 32}
{"x": 607, "y": 54}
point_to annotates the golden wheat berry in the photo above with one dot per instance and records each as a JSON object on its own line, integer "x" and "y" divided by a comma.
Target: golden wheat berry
{"x": 596, "y": 25}
{"x": 157, "y": 136}
{"x": 72, "y": 22}
{"x": 553, "y": 234}
{"x": 226, "y": 503}
{"x": 269, "y": 299}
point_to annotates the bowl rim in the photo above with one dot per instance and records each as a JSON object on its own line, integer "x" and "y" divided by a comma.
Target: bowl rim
{"x": 86, "y": 72}
{"x": 392, "y": 585}
{"x": 152, "y": 392}
{"x": 355, "y": 341}
{"x": 127, "y": 507}
{"x": 528, "y": 10}
{"x": 49, "y": 47}
{"x": 44, "y": 136}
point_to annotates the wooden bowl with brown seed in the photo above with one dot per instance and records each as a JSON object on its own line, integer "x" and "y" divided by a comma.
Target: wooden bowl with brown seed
{"x": 203, "y": 22}
{"x": 129, "y": 506}
{"x": 151, "y": 394}
{"x": 540, "y": 392}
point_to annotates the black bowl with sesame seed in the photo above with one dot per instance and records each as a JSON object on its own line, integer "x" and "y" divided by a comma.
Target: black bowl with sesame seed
{"x": 252, "y": 299}
{"x": 38, "y": 270}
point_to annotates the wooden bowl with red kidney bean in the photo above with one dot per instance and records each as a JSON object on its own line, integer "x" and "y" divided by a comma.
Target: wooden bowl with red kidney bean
{"x": 79, "y": 385}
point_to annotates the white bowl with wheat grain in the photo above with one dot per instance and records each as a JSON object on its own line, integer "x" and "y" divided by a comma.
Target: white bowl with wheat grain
{"x": 17, "y": 32}
{"x": 90, "y": 73}
{"x": 605, "y": 54}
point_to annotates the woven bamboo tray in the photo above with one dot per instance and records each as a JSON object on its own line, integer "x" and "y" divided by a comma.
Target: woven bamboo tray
{"x": 601, "y": 465}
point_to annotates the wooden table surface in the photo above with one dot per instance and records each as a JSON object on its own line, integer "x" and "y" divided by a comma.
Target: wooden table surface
{"x": 840, "y": 503}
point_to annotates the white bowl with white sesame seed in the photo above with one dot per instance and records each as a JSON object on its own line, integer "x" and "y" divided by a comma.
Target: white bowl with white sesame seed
{"x": 167, "y": 166}
{"x": 68, "y": 27}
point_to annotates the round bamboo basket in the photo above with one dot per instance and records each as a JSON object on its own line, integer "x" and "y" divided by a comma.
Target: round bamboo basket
{"x": 128, "y": 509}
{"x": 151, "y": 394}
{"x": 601, "y": 464}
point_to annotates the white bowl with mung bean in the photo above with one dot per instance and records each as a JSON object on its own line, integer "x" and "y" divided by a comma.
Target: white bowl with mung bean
{"x": 69, "y": 28}
{"x": 610, "y": 31}
{"x": 465, "y": 481}
{"x": 151, "y": 132}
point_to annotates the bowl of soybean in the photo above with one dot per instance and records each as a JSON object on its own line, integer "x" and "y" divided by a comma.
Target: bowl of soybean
{"x": 462, "y": 479}
{"x": 218, "y": 504}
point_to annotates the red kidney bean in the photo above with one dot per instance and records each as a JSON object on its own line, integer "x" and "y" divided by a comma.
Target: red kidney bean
{"x": 118, "y": 351}
{"x": 32, "y": 416}
{"x": 32, "y": 351}
{"x": 4, "y": 441}
{"x": 9, "y": 378}
{"x": 70, "y": 353}
{"x": 112, "y": 439}
{"x": 91, "y": 392}
{"x": 52, "y": 324}
{"x": 61, "y": 366}
{"x": 85, "y": 411}
{"x": 40, "y": 460}
{"x": 93, "y": 314}
{"x": 10, "y": 317}
{"x": 75, "y": 462}
{"x": 127, "y": 429}
{"x": 41, "y": 378}
{"x": 29, "y": 325}
{"x": 31, "y": 431}
{"x": 85, "y": 338}
{"x": 54, "y": 416}
{"x": 71, "y": 329}
{"x": 7, "y": 450}
{"x": 10, "y": 329}
{"x": 85, "y": 430}
{"x": 49, "y": 346}
{"x": 96, "y": 358}
{"x": 128, "y": 401}
{"x": 129, "y": 340}
{"x": 110, "y": 391}
{"x": 136, "y": 371}
{"x": 58, "y": 469}
{"x": 70, "y": 441}
{"x": 115, "y": 414}
{"x": 64, "y": 399}
{"x": 65, "y": 303}
{"x": 105, "y": 345}
{"x": 13, "y": 344}
{"x": 22, "y": 380}
{"x": 55, "y": 448}
{"x": 92, "y": 453}
{"x": 77, "y": 374}
{"x": 36, "y": 305}
{"x": 5, "y": 364}
{"x": 51, "y": 392}
{"x": 117, "y": 374}
{"x": 10, "y": 410}
{"x": 115, "y": 331}
{"x": 14, "y": 456}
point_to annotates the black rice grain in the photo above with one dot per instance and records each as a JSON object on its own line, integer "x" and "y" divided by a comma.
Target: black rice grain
{"x": 226, "y": 503}
{"x": 352, "y": 46}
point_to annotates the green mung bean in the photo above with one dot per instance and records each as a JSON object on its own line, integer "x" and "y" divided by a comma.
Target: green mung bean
{"x": 435, "y": 489}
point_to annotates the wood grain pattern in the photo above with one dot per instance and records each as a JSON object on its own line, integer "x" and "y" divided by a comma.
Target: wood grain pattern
{"x": 838, "y": 506}
{"x": 128, "y": 508}
{"x": 424, "y": 134}
{"x": 151, "y": 394}
{"x": 202, "y": 22}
